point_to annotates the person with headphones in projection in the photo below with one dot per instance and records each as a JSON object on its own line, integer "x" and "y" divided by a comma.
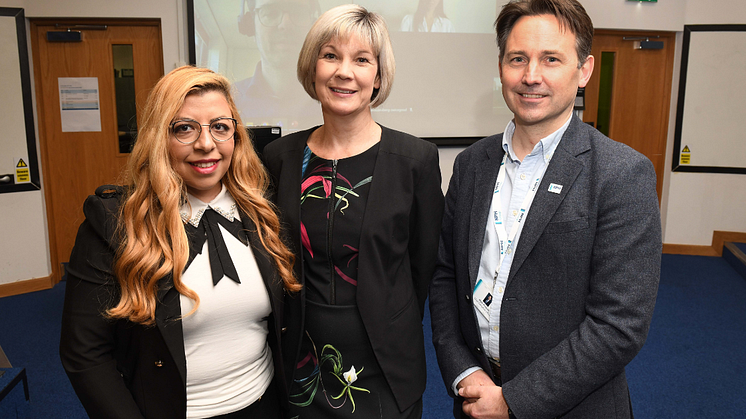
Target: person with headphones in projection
{"x": 272, "y": 95}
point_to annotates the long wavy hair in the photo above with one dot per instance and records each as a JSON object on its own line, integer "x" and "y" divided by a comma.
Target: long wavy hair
{"x": 154, "y": 242}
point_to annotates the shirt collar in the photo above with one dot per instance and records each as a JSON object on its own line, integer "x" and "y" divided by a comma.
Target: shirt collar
{"x": 223, "y": 204}
{"x": 546, "y": 146}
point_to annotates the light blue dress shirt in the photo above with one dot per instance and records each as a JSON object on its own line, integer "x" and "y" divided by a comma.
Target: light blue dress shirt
{"x": 520, "y": 176}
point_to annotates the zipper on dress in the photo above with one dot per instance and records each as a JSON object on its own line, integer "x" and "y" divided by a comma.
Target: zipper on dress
{"x": 332, "y": 279}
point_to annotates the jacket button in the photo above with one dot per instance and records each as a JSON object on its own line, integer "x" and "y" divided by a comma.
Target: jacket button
{"x": 479, "y": 349}
{"x": 467, "y": 297}
{"x": 284, "y": 329}
{"x": 159, "y": 363}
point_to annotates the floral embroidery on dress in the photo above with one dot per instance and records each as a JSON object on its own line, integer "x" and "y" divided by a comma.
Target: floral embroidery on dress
{"x": 310, "y": 384}
{"x": 318, "y": 184}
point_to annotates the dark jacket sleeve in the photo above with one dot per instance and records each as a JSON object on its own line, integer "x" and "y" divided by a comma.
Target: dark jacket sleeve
{"x": 453, "y": 352}
{"x": 88, "y": 341}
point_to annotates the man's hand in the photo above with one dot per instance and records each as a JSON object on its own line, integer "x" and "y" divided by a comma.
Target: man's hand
{"x": 482, "y": 398}
{"x": 477, "y": 378}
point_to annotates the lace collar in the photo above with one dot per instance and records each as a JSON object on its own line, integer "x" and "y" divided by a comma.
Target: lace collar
{"x": 223, "y": 204}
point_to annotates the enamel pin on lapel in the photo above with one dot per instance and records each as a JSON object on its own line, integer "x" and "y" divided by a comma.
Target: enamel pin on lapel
{"x": 555, "y": 188}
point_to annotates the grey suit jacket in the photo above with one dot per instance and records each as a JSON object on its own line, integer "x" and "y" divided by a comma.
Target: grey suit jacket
{"x": 581, "y": 290}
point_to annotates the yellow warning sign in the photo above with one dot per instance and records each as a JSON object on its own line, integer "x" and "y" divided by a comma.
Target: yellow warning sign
{"x": 22, "y": 172}
{"x": 686, "y": 155}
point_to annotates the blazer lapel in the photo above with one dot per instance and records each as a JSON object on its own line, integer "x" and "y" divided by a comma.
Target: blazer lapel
{"x": 288, "y": 199}
{"x": 379, "y": 196}
{"x": 485, "y": 177}
{"x": 167, "y": 318}
{"x": 264, "y": 262}
{"x": 562, "y": 170}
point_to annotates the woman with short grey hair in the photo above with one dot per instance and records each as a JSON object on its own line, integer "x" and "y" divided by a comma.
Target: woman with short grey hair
{"x": 363, "y": 207}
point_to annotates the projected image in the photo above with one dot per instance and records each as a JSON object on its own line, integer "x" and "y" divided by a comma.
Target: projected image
{"x": 472, "y": 16}
{"x": 445, "y": 53}
{"x": 255, "y": 43}
{"x": 429, "y": 17}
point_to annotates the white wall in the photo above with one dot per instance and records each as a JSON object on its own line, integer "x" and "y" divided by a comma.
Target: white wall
{"x": 167, "y": 10}
{"x": 699, "y": 203}
{"x": 665, "y": 15}
{"x": 23, "y": 253}
{"x": 24, "y": 248}
{"x": 694, "y": 205}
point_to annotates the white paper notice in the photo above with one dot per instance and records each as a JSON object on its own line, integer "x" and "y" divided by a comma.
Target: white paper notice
{"x": 79, "y": 104}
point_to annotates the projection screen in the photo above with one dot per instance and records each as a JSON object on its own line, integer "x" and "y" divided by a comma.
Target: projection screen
{"x": 446, "y": 86}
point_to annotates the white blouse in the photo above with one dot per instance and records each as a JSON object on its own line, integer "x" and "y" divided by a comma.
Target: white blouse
{"x": 229, "y": 363}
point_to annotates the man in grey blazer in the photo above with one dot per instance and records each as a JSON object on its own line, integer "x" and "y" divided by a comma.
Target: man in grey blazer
{"x": 549, "y": 258}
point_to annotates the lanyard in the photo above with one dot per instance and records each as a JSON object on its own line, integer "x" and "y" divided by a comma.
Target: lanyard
{"x": 506, "y": 240}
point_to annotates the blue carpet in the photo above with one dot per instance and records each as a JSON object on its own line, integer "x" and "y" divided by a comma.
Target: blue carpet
{"x": 693, "y": 365}
{"x": 35, "y": 347}
{"x": 30, "y": 335}
{"x": 741, "y": 246}
{"x": 436, "y": 403}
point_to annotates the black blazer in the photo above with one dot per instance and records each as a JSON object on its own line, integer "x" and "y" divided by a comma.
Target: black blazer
{"x": 398, "y": 245}
{"x": 580, "y": 294}
{"x": 120, "y": 369}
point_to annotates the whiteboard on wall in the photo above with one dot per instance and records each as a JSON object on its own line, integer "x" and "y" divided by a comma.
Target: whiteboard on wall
{"x": 19, "y": 169}
{"x": 710, "y": 133}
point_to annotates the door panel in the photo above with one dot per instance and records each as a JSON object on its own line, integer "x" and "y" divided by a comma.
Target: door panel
{"x": 640, "y": 90}
{"x": 74, "y": 164}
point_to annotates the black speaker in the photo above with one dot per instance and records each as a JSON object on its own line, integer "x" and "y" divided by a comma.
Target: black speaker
{"x": 64, "y": 36}
{"x": 263, "y": 135}
{"x": 651, "y": 44}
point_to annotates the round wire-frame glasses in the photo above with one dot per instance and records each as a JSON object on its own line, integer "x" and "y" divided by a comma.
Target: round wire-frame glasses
{"x": 187, "y": 131}
{"x": 271, "y": 15}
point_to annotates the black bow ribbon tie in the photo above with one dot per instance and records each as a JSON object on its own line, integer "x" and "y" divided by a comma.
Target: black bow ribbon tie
{"x": 208, "y": 229}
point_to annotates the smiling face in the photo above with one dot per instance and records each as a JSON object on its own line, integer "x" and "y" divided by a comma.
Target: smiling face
{"x": 203, "y": 163}
{"x": 346, "y": 75}
{"x": 540, "y": 75}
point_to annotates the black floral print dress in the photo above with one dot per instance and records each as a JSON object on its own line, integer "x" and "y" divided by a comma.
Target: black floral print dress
{"x": 337, "y": 375}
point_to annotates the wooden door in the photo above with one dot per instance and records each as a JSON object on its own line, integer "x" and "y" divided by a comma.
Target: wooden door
{"x": 74, "y": 164}
{"x": 629, "y": 97}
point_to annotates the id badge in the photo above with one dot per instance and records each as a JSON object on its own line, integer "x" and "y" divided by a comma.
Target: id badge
{"x": 483, "y": 298}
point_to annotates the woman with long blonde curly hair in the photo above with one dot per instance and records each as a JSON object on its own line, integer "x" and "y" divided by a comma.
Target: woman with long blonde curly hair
{"x": 175, "y": 286}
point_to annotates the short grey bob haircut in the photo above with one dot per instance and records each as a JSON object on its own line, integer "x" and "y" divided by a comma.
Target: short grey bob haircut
{"x": 343, "y": 22}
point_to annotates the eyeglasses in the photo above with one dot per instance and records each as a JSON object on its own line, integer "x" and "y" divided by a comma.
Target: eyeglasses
{"x": 187, "y": 131}
{"x": 271, "y": 14}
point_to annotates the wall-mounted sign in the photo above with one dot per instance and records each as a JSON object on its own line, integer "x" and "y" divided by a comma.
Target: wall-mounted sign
{"x": 22, "y": 172}
{"x": 79, "y": 104}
